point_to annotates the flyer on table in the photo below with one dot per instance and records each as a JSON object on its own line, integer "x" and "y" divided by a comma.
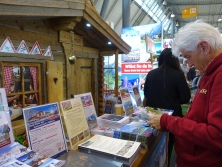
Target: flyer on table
{"x": 75, "y": 121}
{"x": 44, "y": 129}
{"x": 89, "y": 109}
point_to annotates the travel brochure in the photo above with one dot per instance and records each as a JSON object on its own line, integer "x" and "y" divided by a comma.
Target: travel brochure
{"x": 126, "y": 101}
{"x": 4, "y": 130}
{"x": 89, "y": 109}
{"x": 6, "y": 133}
{"x": 117, "y": 149}
{"x": 136, "y": 94}
{"x": 44, "y": 129}
{"x": 75, "y": 121}
{"x": 16, "y": 155}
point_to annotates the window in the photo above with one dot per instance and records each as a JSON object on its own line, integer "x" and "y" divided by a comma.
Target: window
{"x": 22, "y": 85}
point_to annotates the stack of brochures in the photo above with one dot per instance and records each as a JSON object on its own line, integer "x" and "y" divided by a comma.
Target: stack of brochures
{"x": 108, "y": 123}
{"x": 135, "y": 133}
{"x": 17, "y": 155}
{"x": 123, "y": 151}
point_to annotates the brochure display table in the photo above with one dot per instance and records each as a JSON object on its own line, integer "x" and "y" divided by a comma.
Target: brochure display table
{"x": 155, "y": 154}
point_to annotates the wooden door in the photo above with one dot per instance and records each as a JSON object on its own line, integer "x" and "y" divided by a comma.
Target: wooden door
{"x": 81, "y": 79}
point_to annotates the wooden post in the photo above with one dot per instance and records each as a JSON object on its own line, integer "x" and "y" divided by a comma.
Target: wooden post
{"x": 116, "y": 73}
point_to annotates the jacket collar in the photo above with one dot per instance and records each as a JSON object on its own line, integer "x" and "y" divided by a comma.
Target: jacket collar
{"x": 214, "y": 64}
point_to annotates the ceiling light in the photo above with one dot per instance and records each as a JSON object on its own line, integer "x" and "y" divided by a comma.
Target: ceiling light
{"x": 164, "y": 3}
{"x": 177, "y": 24}
{"x": 172, "y": 15}
{"x": 109, "y": 43}
{"x": 219, "y": 20}
{"x": 88, "y": 25}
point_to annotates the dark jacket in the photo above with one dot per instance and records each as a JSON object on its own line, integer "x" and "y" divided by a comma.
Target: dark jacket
{"x": 198, "y": 136}
{"x": 191, "y": 74}
{"x": 175, "y": 92}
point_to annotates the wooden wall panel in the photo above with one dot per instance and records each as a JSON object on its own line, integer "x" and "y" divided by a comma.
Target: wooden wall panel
{"x": 55, "y": 89}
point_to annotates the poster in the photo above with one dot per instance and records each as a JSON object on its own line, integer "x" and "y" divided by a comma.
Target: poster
{"x": 44, "y": 129}
{"x": 126, "y": 101}
{"x": 145, "y": 41}
{"x": 89, "y": 109}
{"x": 136, "y": 95}
{"x": 75, "y": 121}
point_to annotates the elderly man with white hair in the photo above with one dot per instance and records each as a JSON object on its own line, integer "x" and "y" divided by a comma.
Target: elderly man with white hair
{"x": 198, "y": 135}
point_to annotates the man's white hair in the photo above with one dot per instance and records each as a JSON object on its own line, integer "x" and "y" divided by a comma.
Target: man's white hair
{"x": 189, "y": 36}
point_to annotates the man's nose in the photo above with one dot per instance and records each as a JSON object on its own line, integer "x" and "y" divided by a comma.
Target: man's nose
{"x": 190, "y": 62}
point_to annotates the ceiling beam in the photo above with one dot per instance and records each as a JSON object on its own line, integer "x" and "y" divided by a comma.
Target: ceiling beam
{"x": 202, "y": 14}
{"x": 193, "y": 4}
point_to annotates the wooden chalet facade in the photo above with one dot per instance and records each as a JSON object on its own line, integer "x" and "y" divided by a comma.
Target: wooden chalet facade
{"x": 60, "y": 24}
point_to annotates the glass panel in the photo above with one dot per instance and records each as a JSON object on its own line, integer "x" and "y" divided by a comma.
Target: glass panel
{"x": 160, "y": 12}
{"x": 30, "y": 84}
{"x": 12, "y": 82}
{"x": 109, "y": 61}
{"x": 109, "y": 77}
{"x": 155, "y": 9}
{"x": 21, "y": 87}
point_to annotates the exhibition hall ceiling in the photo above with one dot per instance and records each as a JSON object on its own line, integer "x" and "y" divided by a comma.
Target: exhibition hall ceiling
{"x": 150, "y": 11}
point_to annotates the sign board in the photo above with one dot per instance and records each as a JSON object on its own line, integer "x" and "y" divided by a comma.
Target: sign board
{"x": 189, "y": 12}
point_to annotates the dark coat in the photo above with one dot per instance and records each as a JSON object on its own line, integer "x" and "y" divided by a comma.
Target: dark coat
{"x": 172, "y": 95}
{"x": 191, "y": 74}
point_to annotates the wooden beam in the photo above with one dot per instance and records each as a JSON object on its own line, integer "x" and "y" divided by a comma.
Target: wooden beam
{"x": 12, "y": 10}
{"x": 43, "y": 3}
{"x": 107, "y": 53}
{"x": 64, "y": 37}
{"x": 65, "y": 26}
{"x": 96, "y": 17}
{"x": 24, "y": 56}
{"x": 115, "y": 39}
{"x": 63, "y": 20}
{"x": 116, "y": 73}
{"x": 86, "y": 55}
{"x": 78, "y": 48}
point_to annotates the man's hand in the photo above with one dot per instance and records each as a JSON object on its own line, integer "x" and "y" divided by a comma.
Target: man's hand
{"x": 154, "y": 121}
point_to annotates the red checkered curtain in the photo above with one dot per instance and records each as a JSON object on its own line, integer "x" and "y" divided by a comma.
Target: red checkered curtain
{"x": 33, "y": 72}
{"x": 8, "y": 70}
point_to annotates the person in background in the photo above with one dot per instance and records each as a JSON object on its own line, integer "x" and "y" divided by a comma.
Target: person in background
{"x": 195, "y": 83}
{"x": 166, "y": 87}
{"x": 191, "y": 72}
{"x": 198, "y": 135}
{"x": 184, "y": 67}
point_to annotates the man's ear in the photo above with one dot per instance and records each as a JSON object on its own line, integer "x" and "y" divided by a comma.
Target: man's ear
{"x": 205, "y": 47}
